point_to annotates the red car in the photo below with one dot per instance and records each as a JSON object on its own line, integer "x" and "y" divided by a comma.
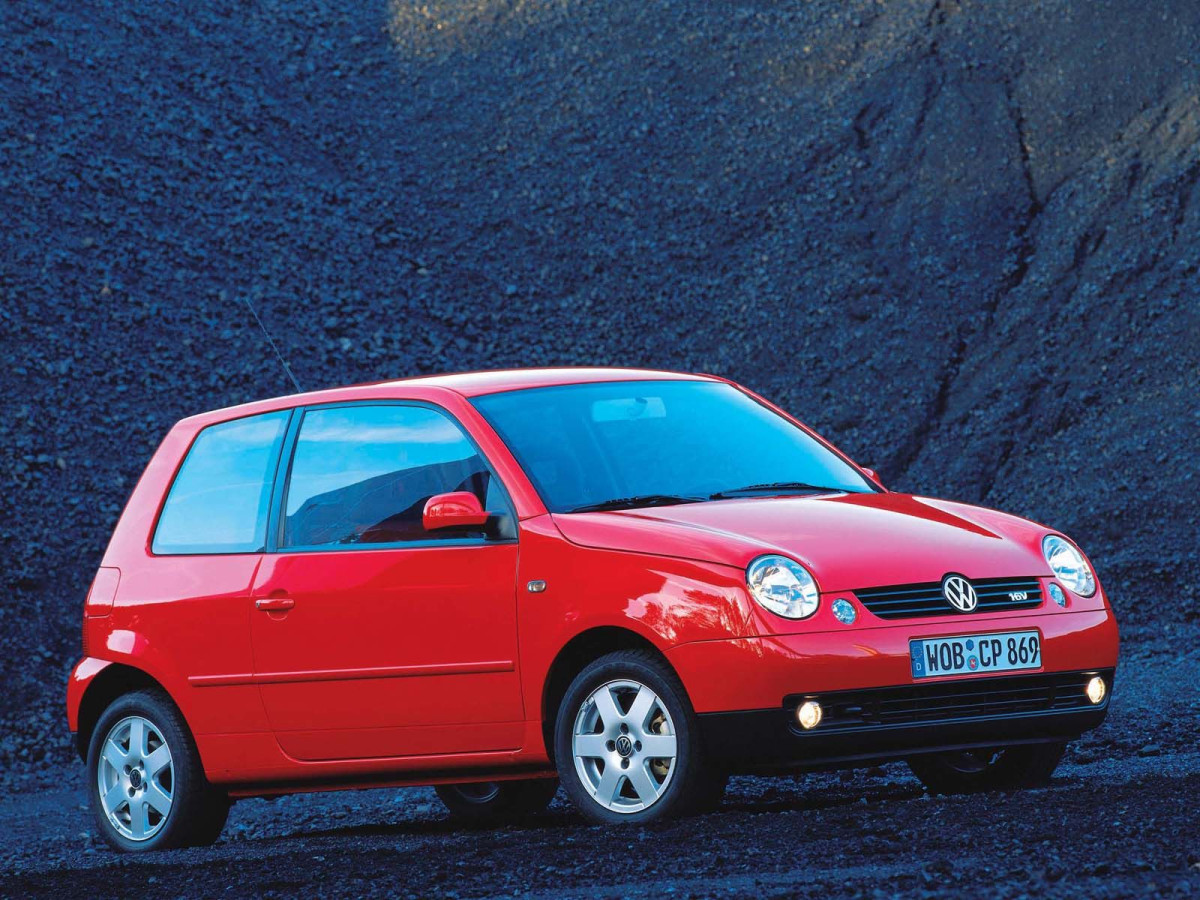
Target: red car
{"x": 630, "y": 583}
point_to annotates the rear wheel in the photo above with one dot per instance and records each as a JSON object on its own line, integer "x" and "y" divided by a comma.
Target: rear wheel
{"x": 490, "y": 801}
{"x": 967, "y": 771}
{"x": 147, "y": 788}
{"x": 626, "y": 743}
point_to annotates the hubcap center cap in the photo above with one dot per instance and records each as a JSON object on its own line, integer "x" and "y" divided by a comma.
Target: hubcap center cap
{"x": 135, "y": 779}
{"x": 624, "y": 746}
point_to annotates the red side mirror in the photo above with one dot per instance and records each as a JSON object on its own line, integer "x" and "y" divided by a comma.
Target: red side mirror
{"x": 453, "y": 510}
{"x": 872, "y": 474}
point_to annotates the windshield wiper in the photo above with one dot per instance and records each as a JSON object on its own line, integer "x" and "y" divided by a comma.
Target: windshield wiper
{"x": 634, "y": 502}
{"x": 780, "y": 487}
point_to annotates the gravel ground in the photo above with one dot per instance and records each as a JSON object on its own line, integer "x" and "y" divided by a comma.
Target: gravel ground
{"x": 1119, "y": 820}
{"x": 960, "y": 238}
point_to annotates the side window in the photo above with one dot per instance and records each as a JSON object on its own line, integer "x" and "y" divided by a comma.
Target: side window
{"x": 219, "y": 500}
{"x": 362, "y": 475}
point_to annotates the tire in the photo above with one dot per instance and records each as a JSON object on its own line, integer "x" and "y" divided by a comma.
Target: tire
{"x": 1028, "y": 766}
{"x": 606, "y": 730}
{"x": 710, "y": 792}
{"x": 495, "y": 801}
{"x": 211, "y": 822}
{"x": 163, "y": 801}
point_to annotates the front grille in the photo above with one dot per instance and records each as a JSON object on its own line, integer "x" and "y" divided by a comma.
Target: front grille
{"x": 911, "y": 601}
{"x": 1011, "y": 695}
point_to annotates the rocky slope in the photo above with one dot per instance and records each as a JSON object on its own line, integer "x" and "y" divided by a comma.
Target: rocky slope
{"x": 962, "y": 239}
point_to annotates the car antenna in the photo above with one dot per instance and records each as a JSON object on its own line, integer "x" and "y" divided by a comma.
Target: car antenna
{"x": 271, "y": 341}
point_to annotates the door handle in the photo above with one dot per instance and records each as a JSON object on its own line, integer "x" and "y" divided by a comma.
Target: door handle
{"x": 274, "y": 604}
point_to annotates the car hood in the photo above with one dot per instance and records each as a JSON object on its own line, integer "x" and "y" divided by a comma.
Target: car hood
{"x": 848, "y": 541}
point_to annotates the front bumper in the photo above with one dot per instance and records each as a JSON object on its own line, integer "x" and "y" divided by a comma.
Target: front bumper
{"x": 746, "y": 689}
{"x": 877, "y": 725}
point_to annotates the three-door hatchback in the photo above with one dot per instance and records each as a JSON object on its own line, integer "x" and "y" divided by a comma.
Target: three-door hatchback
{"x": 630, "y": 583}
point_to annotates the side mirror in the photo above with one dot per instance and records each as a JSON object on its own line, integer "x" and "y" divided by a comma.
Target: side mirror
{"x": 872, "y": 474}
{"x": 457, "y": 509}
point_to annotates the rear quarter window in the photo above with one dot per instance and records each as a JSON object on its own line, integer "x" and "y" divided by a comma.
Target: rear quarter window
{"x": 219, "y": 500}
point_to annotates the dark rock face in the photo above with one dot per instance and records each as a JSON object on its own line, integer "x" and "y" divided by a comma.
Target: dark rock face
{"x": 962, "y": 240}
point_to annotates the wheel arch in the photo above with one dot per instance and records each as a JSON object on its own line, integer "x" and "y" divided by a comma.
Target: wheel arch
{"x": 111, "y": 682}
{"x": 582, "y": 649}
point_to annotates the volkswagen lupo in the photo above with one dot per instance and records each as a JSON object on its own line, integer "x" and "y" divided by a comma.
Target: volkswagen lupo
{"x": 628, "y": 583}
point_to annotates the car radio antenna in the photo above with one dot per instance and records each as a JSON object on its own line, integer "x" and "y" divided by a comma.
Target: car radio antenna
{"x": 271, "y": 341}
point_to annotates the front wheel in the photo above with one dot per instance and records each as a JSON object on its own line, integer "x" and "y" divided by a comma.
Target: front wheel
{"x": 491, "y": 801}
{"x": 626, "y": 743}
{"x": 147, "y": 788}
{"x": 968, "y": 771}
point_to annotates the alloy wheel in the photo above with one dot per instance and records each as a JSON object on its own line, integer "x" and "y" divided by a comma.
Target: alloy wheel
{"x": 625, "y": 746}
{"x": 970, "y": 762}
{"x": 483, "y": 792}
{"x": 135, "y": 778}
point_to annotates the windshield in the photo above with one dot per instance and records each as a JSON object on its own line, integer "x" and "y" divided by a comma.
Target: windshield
{"x": 619, "y": 445}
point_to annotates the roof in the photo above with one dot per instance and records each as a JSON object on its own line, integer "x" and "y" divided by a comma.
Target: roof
{"x": 474, "y": 384}
{"x": 465, "y": 384}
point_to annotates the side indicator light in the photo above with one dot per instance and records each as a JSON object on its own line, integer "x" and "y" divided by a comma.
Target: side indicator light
{"x": 844, "y": 611}
{"x": 1057, "y": 595}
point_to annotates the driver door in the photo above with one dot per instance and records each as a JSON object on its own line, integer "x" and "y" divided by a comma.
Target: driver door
{"x": 371, "y": 636}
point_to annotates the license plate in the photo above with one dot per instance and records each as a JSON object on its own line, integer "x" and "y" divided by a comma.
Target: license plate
{"x": 971, "y": 654}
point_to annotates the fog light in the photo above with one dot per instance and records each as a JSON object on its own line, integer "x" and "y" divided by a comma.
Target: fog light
{"x": 1057, "y": 595}
{"x": 1095, "y": 692}
{"x": 809, "y": 714}
{"x": 844, "y": 612}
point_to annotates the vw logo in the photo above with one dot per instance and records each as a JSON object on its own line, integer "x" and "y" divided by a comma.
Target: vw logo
{"x": 959, "y": 593}
{"x": 624, "y": 745}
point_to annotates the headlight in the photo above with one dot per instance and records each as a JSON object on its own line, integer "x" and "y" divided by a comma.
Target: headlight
{"x": 1068, "y": 565}
{"x": 783, "y": 586}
